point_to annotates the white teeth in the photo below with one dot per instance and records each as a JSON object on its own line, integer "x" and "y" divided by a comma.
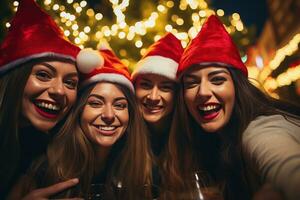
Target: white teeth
{"x": 207, "y": 108}
{"x": 48, "y": 106}
{"x": 107, "y": 128}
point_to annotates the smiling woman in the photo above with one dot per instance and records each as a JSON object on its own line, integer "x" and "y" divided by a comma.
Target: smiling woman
{"x": 102, "y": 141}
{"x": 156, "y": 86}
{"x": 228, "y": 129}
{"x": 49, "y": 93}
{"x": 38, "y": 86}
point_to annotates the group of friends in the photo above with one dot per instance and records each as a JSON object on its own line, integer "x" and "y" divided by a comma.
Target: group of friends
{"x": 185, "y": 124}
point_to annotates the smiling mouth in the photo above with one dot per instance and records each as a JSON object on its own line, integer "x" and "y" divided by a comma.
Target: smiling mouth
{"x": 209, "y": 112}
{"x": 153, "y": 108}
{"x": 47, "y": 109}
{"x": 106, "y": 130}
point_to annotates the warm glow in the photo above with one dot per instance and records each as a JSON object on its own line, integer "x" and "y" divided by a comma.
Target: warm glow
{"x": 220, "y": 12}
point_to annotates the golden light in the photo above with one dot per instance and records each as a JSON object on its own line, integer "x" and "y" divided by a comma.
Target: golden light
{"x": 202, "y": 13}
{"x": 236, "y": 16}
{"x": 161, "y": 8}
{"x": 220, "y": 12}
{"x": 179, "y": 21}
{"x": 184, "y": 44}
{"x": 143, "y": 51}
{"x": 99, "y": 34}
{"x": 90, "y": 12}
{"x": 68, "y": 23}
{"x": 78, "y": 9}
{"x": 62, "y": 8}
{"x": 182, "y": 36}
{"x": 239, "y": 26}
{"x": 106, "y": 33}
{"x": 63, "y": 14}
{"x": 67, "y": 33}
{"x": 87, "y": 29}
{"x": 130, "y": 36}
{"x": 174, "y": 18}
{"x": 72, "y": 17}
{"x": 203, "y": 4}
{"x": 122, "y": 25}
{"x": 98, "y": 16}
{"x": 192, "y": 32}
{"x": 182, "y": 7}
{"x": 75, "y": 27}
{"x": 16, "y": 3}
{"x": 168, "y": 28}
{"x": 63, "y": 20}
{"x": 7, "y": 24}
{"x": 47, "y": 2}
{"x": 170, "y": 4}
{"x": 139, "y": 44}
{"x": 122, "y": 35}
{"x": 123, "y": 52}
{"x": 195, "y": 17}
{"x": 83, "y": 4}
{"x": 157, "y": 37}
{"x": 69, "y": 1}
{"x": 77, "y": 40}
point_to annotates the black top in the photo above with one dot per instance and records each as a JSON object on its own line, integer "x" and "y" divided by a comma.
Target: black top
{"x": 33, "y": 143}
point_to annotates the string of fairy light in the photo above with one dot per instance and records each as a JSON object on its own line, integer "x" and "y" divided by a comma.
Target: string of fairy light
{"x": 94, "y": 29}
{"x": 82, "y": 33}
{"x": 290, "y": 75}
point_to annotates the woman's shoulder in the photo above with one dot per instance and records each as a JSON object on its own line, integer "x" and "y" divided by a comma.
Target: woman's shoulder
{"x": 273, "y": 124}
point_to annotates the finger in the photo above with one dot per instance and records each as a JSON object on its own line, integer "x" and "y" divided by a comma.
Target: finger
{"x": 53, "y": 189}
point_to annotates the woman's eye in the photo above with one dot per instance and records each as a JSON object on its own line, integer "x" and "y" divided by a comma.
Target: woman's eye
{"x": 95, "y": 103}
{"x": 43, "y": 75}
{"x": 120, "y": 106}
{"x": 218, "y": 80}
{"x": 145, "y": 85}
{"x": 71, "y": 84}
{"x": 190, "y": 84}
{"x": 167, "y": 88}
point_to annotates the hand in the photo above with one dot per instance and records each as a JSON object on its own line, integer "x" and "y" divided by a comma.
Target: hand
{"x": 45, "y": 193}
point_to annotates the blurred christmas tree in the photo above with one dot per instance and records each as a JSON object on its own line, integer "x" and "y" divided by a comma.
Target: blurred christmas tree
{"x": 131, "y": 26}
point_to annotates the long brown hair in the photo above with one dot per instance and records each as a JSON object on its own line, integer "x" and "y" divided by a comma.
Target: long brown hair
{"x": 70, "y": 154}
{"x": 220, "y": 155}
{"x": 12, "y": 85}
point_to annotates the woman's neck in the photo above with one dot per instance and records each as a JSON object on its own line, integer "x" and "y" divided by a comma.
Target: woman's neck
{"x": 101, "y": 156}
{"x": 159, "y": 133}
{"x": 160, "y": 127}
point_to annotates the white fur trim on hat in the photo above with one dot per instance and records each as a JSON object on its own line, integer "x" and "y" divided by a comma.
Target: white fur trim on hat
{"x": 109, "y": 77}
{"x": 89, "y": 59}
{"x": 156, "y": 65}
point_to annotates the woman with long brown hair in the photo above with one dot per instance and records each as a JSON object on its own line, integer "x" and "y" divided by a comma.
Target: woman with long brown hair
{"x": 102, "y": 141}
{"x": 154, "y": 78}
{"x": 38, "y": 86}
{"x": 228, "y": 129}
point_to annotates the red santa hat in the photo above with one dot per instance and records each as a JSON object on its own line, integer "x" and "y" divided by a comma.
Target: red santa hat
{"x": 212, "y": 46}
{"x": 103, "y": 65}
{"x": 162, "y": 58}
{"x": 33, "y": 34}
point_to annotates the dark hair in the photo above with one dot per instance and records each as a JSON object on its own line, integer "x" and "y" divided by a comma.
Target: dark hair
{"x": 130, "y": 159}
{"x": 12, "y": 84}
{"x": 220, "y": 155}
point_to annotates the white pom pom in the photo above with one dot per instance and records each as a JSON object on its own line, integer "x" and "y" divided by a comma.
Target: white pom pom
{"x": 89, "y": 59}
